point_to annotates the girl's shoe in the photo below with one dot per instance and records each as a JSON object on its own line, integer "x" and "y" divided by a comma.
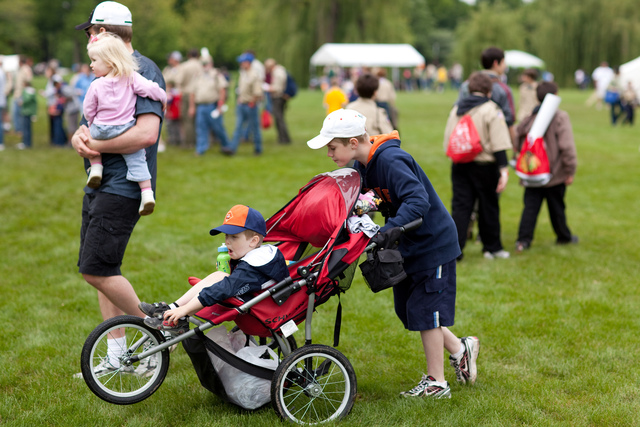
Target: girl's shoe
{"x": 147, "y": 204}
{"x": 95, "y": 176}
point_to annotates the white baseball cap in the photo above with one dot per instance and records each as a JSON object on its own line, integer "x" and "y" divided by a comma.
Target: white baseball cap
{"x": 339, "y": 124}
{"x": 108, "y": 13}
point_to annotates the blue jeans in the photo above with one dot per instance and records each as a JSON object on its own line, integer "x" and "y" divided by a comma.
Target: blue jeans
{"x": 17, "y": 116}
{"x": 1, "y": 125}
{"x": 27, "y": 137}
{"x": 205, "y": 124}
{"x": 137, "y": 168}
{"x": 58, "y": 134}
{"x": 248, "y": 115}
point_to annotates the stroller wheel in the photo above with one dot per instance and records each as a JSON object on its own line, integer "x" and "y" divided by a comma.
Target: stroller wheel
{"x": 314, "y": 384}
{"x": 123, "y": 384}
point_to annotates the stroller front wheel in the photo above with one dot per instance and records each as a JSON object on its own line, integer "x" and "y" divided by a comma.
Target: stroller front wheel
{"x": 314, "y": 384}
{"x": 123, "y": 385}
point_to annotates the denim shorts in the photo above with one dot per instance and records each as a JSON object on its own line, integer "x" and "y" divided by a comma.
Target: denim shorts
{"x": 107, "y": 223}
{"x": 428, "y": 300}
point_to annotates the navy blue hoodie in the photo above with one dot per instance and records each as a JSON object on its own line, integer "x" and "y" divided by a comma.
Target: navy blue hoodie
{"x": 251, "y": 272}
{"x": 408, "y": 194}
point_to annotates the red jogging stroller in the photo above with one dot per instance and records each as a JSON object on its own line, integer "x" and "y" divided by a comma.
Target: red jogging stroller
{"x": 311, "y": 384}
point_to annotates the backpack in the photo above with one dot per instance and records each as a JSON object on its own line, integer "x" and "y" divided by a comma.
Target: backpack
{"x": 291, "y": 88}
{"x": 533, "y": 163}
{"x": 464, "y": 142}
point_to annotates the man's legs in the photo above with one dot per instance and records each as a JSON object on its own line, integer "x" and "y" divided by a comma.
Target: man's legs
{"x": 254, "y": 125}
{"x": 116, "y": 296}
{"x": 279, "y": 105}
{"x": 202, "y": 128}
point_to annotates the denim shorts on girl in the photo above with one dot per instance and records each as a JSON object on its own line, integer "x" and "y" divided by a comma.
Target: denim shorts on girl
{"x": 427, "y": 300}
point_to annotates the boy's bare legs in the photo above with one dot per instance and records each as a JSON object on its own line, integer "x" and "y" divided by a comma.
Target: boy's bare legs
{"x": 433, "y": 341}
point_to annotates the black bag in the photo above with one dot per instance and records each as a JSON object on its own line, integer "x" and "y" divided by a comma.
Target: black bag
{"x": 383, "y": 269}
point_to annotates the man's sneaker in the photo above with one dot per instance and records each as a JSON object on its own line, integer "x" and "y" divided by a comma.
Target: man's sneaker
{"x": 522, "y": 245}
{"x": 162, "y": 325}
{"x": 105, "y": 367}
{"x": 156, "y": 309}
{"x": 429, "y": 387}
{"x": 465, "y": 366}
{"x": 497, "y": 254}
{"x": 574, "y": 241}
{"x": 148, "y": 365}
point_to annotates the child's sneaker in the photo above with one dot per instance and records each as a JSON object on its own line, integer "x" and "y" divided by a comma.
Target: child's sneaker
{"x": 105, "y": 368}
{"x": 95, "y": 176}
{"x": 156, "y": 309}
{"x": 162, "y": 325}
{"x": 429, "y": 387}
{"x": 465, "y": 366}
{"x": 147, "y": 204}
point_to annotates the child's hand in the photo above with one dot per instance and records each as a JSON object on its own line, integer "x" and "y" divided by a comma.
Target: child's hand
{"x": 172, "y": 316}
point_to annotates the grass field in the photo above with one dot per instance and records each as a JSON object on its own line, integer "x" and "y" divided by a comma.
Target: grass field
{"x": 558, "y": 325}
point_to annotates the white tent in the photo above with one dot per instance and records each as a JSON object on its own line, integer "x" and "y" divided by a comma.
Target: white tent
{"x": 520, "y": 59}
{"x": 10, "y": 63}
{"x": 367, "y": 55}
{"x": 630, "y": 72}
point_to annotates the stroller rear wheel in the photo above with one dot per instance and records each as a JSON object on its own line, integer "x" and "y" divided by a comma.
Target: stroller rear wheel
{"x": 314, "y": 384}
{"x": 124, "y": 384}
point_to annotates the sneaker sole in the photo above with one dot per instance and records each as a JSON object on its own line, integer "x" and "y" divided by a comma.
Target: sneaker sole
{"x": 473, "y": 368}
{"x": 147, "y": 208}
{"x": 94, "y": 182}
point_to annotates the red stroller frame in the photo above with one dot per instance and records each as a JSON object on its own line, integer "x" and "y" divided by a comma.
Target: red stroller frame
{"x": 314, "y": 383}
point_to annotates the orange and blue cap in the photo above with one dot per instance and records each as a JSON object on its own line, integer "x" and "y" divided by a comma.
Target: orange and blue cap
{"x": 241, "y": 218}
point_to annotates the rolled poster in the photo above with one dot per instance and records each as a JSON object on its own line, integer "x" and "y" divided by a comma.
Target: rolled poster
{"x": 548, "y": 108}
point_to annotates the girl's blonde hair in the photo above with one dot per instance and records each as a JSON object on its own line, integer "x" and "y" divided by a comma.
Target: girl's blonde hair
{"x": 111, "y": 49}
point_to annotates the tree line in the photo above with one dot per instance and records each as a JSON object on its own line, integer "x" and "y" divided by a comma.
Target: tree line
{"x": 566, "y": 34}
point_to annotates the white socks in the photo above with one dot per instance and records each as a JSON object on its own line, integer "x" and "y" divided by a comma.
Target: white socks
{"x": 115, "y": 349}
{"x": 459, "y": 353}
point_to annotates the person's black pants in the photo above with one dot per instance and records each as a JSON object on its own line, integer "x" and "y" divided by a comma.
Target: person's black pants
{"x": 476, "y": 181}
{"x": 279, "y": 106}
{"x": 533, "y": 198}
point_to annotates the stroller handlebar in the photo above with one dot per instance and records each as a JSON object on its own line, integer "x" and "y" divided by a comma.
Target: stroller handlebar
{"x": 412, "y": 225}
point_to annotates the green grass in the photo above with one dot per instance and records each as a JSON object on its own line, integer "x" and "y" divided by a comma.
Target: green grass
{"x": 558, "y": 325}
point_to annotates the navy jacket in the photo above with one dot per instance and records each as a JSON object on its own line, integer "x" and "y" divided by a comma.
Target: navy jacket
{"x": 249, "y": 274}
{"x": 408, "y": 195}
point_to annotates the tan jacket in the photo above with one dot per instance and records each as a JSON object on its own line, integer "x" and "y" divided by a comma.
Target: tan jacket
{"x": 208, "y": 86}
{"x": 249, "y": 86}
{"x": 492, "y": 129}
{"x": 278, "y": 81}
{"x": 188, "y": 73}
{"x": 377, "y": 121}
{"x": 561, "y": 148}
{"x": 386, "y": 92}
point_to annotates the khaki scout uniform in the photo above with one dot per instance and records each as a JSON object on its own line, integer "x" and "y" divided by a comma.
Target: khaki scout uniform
{"x": 187, "y": 74}
{"x": 377, "y": 120}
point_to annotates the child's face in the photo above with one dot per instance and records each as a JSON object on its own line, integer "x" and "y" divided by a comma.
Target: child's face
{"x": 341, "y": 154}
{"x": 239, "y": 244}
{"x": 99, "y": 67}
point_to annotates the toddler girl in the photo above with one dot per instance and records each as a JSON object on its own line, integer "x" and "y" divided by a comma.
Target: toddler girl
{"x": 109, "y": 108}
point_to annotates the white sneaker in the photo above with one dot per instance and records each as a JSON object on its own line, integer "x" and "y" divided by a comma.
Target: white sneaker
{"x": 95, "y": 176}
{"x": 465, "y": 366}
{"x": 147, "y": 366}
{"x": 1, "y": 147}
{"x": 21, "y": 146}
{"x": 105, "y": 367}
{"x": 498, "y": 254}
{"x": 147, "y": 204}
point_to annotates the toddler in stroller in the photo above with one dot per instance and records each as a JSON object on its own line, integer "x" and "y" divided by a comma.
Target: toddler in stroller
{"x": 311, "y": 384}
{"x": 252, "y": 265}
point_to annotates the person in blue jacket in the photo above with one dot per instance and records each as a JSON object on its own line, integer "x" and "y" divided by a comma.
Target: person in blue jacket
{"x": 252, "y": 265}
{"x": 425, "y": 301}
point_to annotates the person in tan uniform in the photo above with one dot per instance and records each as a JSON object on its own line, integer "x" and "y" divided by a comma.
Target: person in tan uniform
{"x": 249, "y": 96}
{"x": 527, "y": 89}
{"x": 208, "y": 101}
{"x": 172, "y": 118}
{"x": 487, "y": 175}
{"x": 377, "y": 120}
{"x": 386, "y": 96}
{"x": 278, "y": 97}
{"x": 188, "y": 73}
